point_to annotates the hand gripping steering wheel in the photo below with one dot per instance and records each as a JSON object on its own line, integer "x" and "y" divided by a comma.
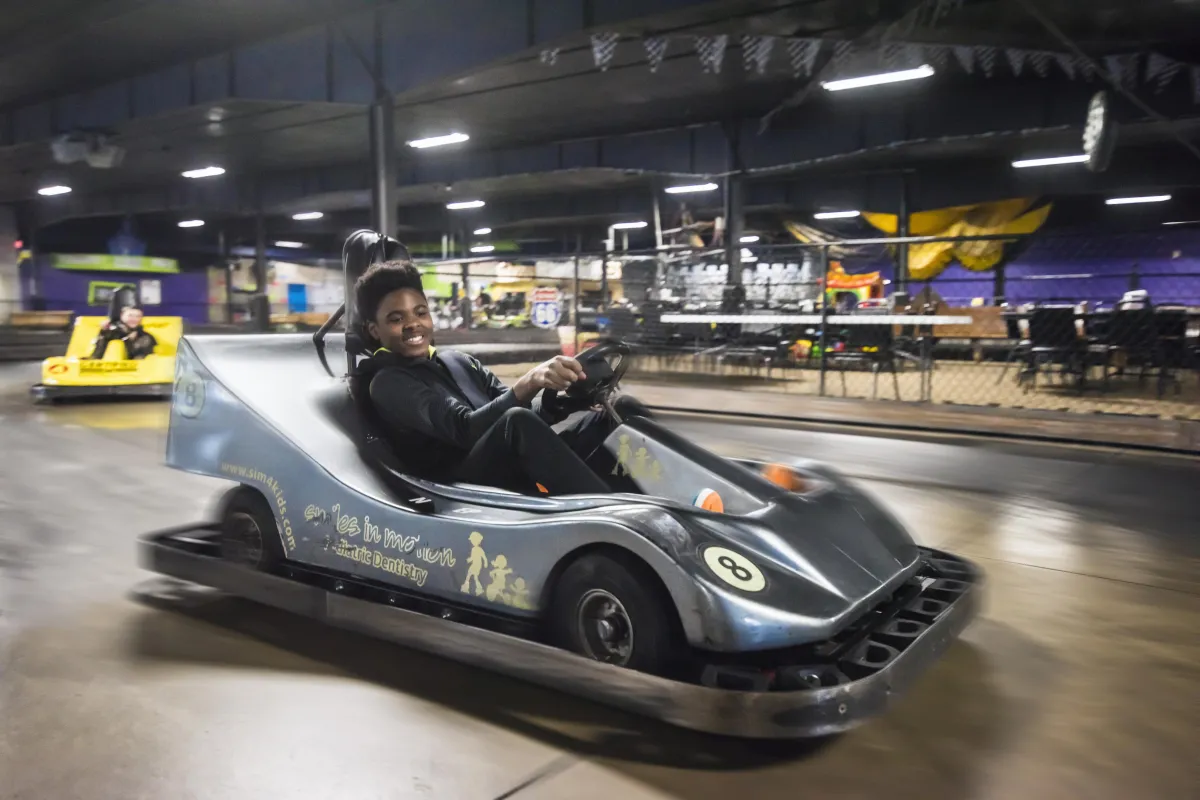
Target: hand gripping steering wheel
{"x": 602, "y": 375}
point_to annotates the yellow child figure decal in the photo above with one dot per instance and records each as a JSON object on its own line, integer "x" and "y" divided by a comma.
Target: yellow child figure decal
{"x": 499, "y": 575}
{"x": 624, "y": 456}
{"x": 476, "y": 561}
{"x": 520, "y": 595}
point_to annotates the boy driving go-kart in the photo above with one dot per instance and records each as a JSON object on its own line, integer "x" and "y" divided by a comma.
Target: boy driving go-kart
{"x": 460, "y": 421}
{"x": 125, "y": 327}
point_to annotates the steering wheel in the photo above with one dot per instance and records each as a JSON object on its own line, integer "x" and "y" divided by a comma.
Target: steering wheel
{"x": 602, "y": 376}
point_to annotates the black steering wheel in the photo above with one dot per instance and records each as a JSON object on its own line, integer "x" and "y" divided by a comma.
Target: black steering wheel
{"x": 603, "y": 375}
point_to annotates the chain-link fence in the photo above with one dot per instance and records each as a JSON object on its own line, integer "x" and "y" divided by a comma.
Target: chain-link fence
{"x": 843, "y": 320}
{"x": 1069, "y": 324}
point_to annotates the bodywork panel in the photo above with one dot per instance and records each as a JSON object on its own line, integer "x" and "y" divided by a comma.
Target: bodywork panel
{"x": 777, "y": 570}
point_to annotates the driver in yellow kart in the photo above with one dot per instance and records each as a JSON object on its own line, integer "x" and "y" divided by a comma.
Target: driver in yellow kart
{"x": 128, "y": 329}
{"x": 454, "y": 420}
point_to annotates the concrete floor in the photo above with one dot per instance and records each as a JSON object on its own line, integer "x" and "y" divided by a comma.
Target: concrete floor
{"x": 1080, "y": 680}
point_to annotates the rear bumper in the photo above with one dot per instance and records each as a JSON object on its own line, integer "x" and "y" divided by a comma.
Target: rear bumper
{"x": 42, "y": 392}
{"x": 859, "y": 681}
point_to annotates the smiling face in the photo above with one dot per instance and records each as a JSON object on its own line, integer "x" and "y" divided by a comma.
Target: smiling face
{"x": 403, "y": 323}
{"x": 132, "y": 317}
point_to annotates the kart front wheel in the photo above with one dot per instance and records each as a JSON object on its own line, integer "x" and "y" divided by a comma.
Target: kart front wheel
{"x": 249, "y": 535}
{"x": 606, "y": 608}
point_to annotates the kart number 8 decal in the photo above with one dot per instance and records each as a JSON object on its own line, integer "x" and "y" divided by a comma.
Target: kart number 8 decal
{"x": 189, "y": 395}
{"x": 735, "y": 569}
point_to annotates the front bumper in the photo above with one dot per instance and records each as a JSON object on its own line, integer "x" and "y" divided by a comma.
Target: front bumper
{"x": 862, "y": 675}
{"x": 41, "y": 392}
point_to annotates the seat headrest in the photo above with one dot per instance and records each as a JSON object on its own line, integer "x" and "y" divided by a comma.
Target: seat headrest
{"x": 122, "y": 298}
{"x": 362, "y": 249}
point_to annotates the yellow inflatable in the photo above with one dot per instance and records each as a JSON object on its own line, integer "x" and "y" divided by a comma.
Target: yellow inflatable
{"x": 999, "y": 218}
{"x": 78, "y": 375}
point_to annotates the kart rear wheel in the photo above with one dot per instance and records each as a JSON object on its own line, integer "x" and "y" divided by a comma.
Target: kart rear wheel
{"x": 249, "y": 535}
{"x": 607, "y": 608}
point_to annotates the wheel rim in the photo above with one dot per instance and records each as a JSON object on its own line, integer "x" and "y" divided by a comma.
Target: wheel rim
{"x": 605, "y": 628}
{"x": 243, "y": 540}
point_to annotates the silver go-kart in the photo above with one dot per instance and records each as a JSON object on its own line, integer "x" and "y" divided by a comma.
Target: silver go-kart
{"x": 733, "y": 597}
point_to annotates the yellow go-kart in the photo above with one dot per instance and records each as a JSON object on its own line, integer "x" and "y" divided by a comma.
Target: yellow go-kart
{"x": 77, "y": 375}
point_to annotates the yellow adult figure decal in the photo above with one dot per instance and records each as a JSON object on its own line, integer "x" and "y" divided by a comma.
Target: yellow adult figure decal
{"x": 475, "y": 564}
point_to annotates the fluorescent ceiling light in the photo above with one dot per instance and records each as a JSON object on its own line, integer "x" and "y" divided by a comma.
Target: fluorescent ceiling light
{"x": 289, "y": 244}
{"x": 696, "y": 187}
{"x": 465, "y": 204}
{"x": 1124, "y": 201}
{"x": 482, "y": 231}
{"x": 50, "y": 191}
{"x": 303, "y": 215}
{"x": 1184, "y": 222}
{"x": 748, "y": 239}
{"x": 620, "y": 226}
{"x": 746, "y": 253}
{"x": 204, "y": 172}
{"x": 923, "y": 71}
{"x": 835, "y": 214}
{"x": 483, "y": 248}
{"x": 191, "y": 223}
{"x": 438, "y": 141}
{"x": 1051, "y": 161}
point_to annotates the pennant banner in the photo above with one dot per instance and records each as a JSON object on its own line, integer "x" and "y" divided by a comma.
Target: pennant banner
{"x": 604, "y": 47}
{"x": 894, "y": 56}
{"x": 987, "y": 57}
{"x": 1016, "y": 60}
{"x": 937, "y": 55}
{"x": 802, "y": 53}
{"x": 656, "y": 50}
{"x": 1126, "y": 69}
{"x": 1161, "y": 70}
{"x": 711, "y": 50}
{"x": 1041, "y": 63}
{"x": 549, "y": 57}
{"x": 756, "y": 53}
{"x": 1067, "y": 64}
{"x": 966, "y": 58}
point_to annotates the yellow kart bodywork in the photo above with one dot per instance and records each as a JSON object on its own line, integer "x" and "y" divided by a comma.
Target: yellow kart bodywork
{"x": 76, "y": 374}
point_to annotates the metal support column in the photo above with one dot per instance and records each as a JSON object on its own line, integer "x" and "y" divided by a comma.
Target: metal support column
{"x": 902, "y": 231}
{"x": 383, "y": 166}
{"x": 261, "y": 305}
{"x": 734, "y": 207}
{"x": 467, "y": 304}
{"x": 824, "y": 335}
{"x": 227, "y": 265}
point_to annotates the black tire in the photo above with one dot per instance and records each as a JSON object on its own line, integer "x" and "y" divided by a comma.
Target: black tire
{"x": 249, "y": 533}
{"x": 578, "y": 606}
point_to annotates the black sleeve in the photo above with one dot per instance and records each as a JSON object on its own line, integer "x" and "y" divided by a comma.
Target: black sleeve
{"x": 491, "y": 384}
{"x": 495, "y": 388}
{"x": 405, "y": 402}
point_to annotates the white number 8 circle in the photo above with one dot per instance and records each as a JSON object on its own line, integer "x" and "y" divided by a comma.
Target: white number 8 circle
{"x": 735, "y": 569}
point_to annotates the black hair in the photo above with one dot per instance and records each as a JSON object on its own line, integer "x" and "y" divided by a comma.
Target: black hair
{"x": 379, "y": 281}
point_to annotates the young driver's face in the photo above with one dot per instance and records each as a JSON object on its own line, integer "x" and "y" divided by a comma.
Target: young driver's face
{"x": 132, "y": 317}
{"x": 403, "y": 323}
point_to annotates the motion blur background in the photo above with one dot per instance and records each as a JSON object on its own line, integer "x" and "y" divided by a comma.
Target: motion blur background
{"x": 1001, "y": 236}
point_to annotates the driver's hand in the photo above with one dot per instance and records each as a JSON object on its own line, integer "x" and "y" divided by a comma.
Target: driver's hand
{"x": 556, "y": 374}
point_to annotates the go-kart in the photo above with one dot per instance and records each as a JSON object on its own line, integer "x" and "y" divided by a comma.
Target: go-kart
{"x": 77, "y": 375}
{"x": 734, "y": 597}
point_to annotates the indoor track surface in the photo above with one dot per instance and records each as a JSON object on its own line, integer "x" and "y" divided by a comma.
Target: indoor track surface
{"x": 1080, "y": 679}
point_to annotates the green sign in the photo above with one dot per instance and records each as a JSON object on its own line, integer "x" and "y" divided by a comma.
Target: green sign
{"x": 437, "y": 285}
{"x": 105, "y": 263}
{"x": 101, "y": 292}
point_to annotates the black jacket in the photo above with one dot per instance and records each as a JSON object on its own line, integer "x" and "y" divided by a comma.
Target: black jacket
{"x": 429, "y": 419}
{"x": 138, "y": 343}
